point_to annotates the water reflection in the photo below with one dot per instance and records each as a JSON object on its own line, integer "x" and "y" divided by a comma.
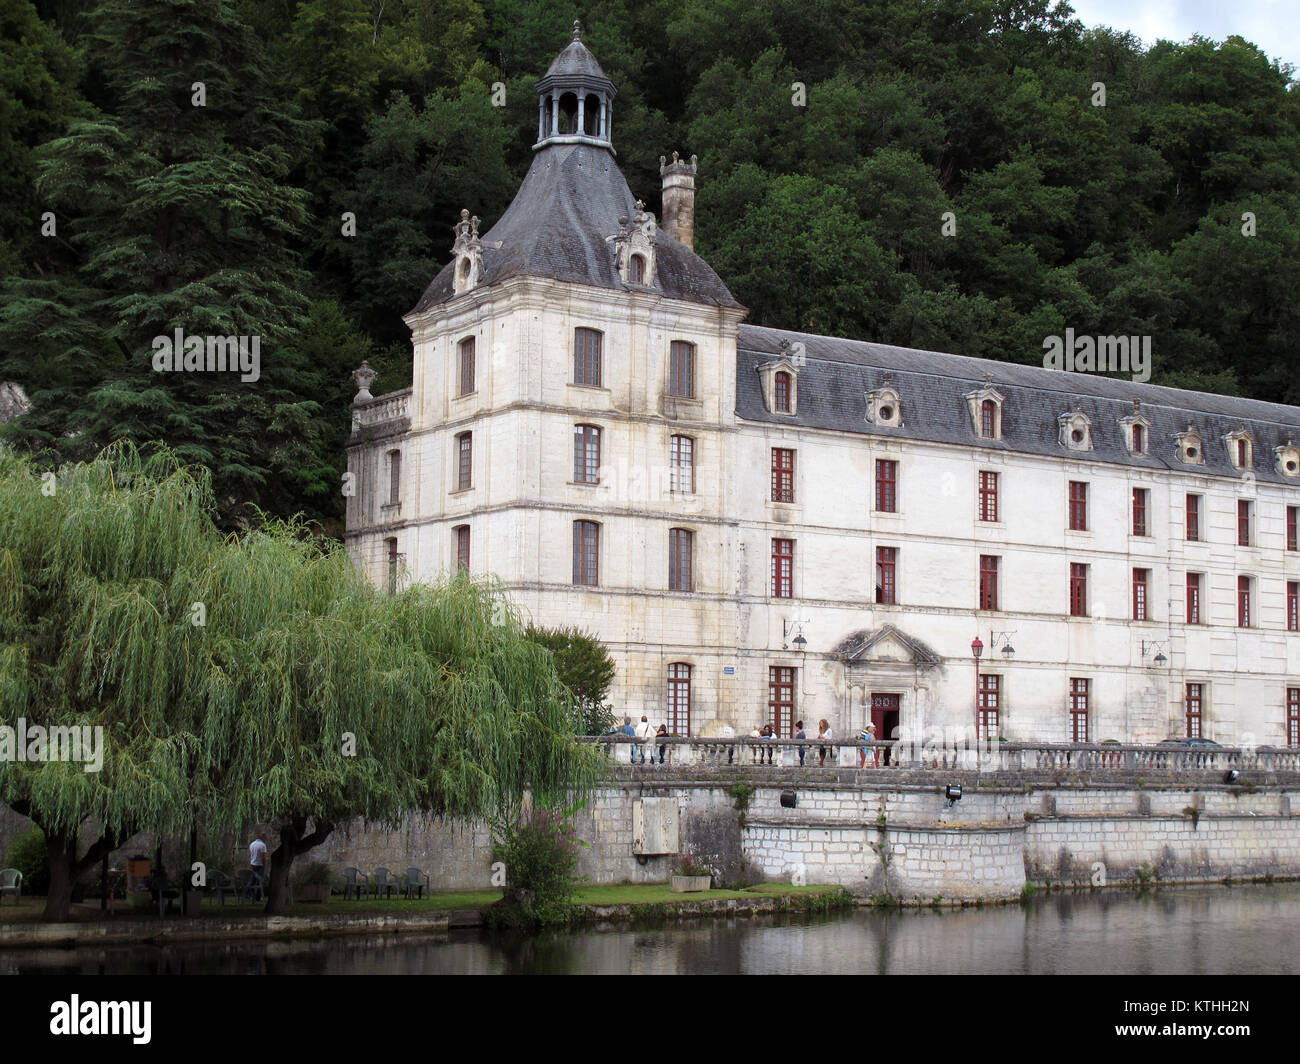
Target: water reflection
{"x": 1193, "y": 930}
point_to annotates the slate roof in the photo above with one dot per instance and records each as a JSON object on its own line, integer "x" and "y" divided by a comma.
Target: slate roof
{"x": 854, "y": 647}
{"x": 932, "y": 388}
{"x": 576, "y": 60}
{"x": 570, "y": 201}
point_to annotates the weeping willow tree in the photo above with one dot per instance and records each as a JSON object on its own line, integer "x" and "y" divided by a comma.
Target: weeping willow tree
{"x": 256, "y": 678}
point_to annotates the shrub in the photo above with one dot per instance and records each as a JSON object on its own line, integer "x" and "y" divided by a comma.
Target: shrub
{"x": 540, "y": 854}
{"x": 316, "y": 874}
{"x": 27, "y": 853}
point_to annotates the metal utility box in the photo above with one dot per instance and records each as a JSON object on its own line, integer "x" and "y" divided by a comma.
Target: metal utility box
{"x": 655, "y": 825}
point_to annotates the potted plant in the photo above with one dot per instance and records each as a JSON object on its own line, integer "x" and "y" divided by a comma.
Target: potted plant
{"x": 313, "y": 884}
{"x": 691, "y": 875}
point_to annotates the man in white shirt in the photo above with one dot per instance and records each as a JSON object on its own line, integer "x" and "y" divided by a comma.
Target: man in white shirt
{"x": 257, "y": 862}
{"x": 644, "y": 733}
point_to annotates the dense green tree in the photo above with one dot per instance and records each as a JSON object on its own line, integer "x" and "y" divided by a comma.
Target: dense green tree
{"x": 585, "y": 667}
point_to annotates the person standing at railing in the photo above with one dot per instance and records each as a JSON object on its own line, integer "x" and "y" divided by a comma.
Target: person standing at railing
{"x": 768, "y": 733}
{"x": 823, "y": 732}
{"x": 800, "y": 734}
{"x": 866, "y": 735}
{"x": 630, "y": 732}
{"x": 644, "y": 732}
{"x": 663, "y": 747}
{"x": 728, "y": 732}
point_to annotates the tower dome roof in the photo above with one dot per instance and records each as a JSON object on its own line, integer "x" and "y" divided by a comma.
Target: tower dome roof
{"x": 576, "y": 59}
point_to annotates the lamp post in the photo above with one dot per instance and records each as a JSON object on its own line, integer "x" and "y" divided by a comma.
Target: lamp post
{"x": 977, "y": 648}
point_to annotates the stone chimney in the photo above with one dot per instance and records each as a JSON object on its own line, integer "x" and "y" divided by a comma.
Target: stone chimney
{"x": 679, "y": 198}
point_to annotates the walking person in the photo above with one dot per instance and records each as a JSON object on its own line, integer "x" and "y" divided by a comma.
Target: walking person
{"x": 866, "y": 735}
{"x": 823, "y": 732}
{"x": 663, "y": 747}
{"x": 644, "y": 732}
{"x": 800, "y": 734}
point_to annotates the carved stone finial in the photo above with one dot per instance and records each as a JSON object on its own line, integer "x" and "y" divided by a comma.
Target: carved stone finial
{"x": 640, "y": 205}
{"x": 577, "y": 30}
{"x": 988, "y": 380}
{"x": 364, "y": 376}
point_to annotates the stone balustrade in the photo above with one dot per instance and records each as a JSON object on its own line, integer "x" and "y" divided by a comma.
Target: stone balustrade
{"x": 385, "y": 408}
{"x": 984, "y": 757}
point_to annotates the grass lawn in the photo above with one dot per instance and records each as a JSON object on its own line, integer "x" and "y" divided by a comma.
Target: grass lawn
{"x": 650, "y": 893}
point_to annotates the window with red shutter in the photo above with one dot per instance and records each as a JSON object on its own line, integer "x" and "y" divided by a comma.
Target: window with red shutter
{"x": 887, "y": 575}
{"x": 1243, "y": 601}
{"x": 886, "y": 485}
{"x": 988, "y": 582}
{"x": 1139, "y": 511}
{"x": 1193, "y": 598}
{"x": 1293, "y": 606}
{"x": 1078, "y": 590}
{"x": 1292, "y": 524}
{"x": 1078, "y": 506}
{"x": 1139, "y": 440}
{"x": 586, "y": 553}
{"x": 989, "y": 419}
{"x": 781, "y": 390}
{"x": 782, "y": 568}
{"x": 1293, "y": 716}
{"x": 782, "y": 474}
{"x": 1245, "y": 511}
{"x": 988, "y": 496}
{"x": 990, "y": 692}
{"x": 1140, "y": 578}
{"x": 679, "y": 698}
{"x": 1192, "y": 707}
{"x": 780, "y": 698}
{"x": 1193, "y": 517}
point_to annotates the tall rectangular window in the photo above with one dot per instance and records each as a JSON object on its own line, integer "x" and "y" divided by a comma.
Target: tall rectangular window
{"x": 988, "y": 496}
{"x": 1140, "y": 579}
{"x": 679, "y": 699}
{"x": 1140, "y": 511}
{"x": 1078, "y": 506}
{"x": 990, "y": 692}
{"x": 887, "y": 485}
{"x": 464, "y": 461}
{"x": 782, "y": 568}
{"x": 586, "y": 454}
{"x": 681, "y": 369}
{"x": 1245, "y": 512}
{"x": 1193, "y": 525}
{"x": 466, "y": 381}
{"x": 462, "y": 548}
{"x": 781, "y": 392}
{"x": 586, "y": 357}
{"x": 1293, "y": 716}
{"x": 1243, "y": 601}
{"x": 394, "y": 477}
{"x": 1192, "y": 705}
{"x": 988, "y": 581}
{"x": 586, "y": 553}
{"x": 1078, "y": 590}
{"x": 1193, "y": 598}
{"x": 1243, "y": 454}
{"x": 780, "y": 698}
{"x": 782, "y": 474}
{"x": 1078, "y": 710}
{"x": 989, "y": 419}
{"x": 887, "y": 575}
{"x": 680, "y": 548}
{"x": 1292, "y": 606}
{"x": 681, "y": 454}
{"x": 1292, "y": 524}
{"x": 393, "y": 559}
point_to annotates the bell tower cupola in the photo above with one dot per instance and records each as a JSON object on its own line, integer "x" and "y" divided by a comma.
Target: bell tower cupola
{"x": 575, "y": 99}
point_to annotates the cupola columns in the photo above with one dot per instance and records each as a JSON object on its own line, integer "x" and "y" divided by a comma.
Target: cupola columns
{"x": 679, "y": 198}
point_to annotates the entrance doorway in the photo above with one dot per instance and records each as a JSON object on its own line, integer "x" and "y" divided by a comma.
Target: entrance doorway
{"x": 884, "y": 715}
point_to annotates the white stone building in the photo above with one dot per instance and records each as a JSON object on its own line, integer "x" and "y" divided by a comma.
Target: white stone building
{"x": 773, "y": 526}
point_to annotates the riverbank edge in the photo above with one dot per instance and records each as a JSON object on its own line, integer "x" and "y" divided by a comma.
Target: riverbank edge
{"x": 176, "y": 930}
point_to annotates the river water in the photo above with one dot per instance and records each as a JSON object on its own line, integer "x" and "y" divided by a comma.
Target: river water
{"x": 1212, "y": 930}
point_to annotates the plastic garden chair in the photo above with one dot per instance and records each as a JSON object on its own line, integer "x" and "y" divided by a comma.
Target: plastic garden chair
{"x": 355, "y": 883}
{"x": 385, "y": 881}
{"x": 11, "y": 882}
{"x": 417, "y": 883}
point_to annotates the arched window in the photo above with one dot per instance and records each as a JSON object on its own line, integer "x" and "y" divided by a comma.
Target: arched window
{"x": 781, "y": 392}
{"x": 586, "y": 357}
{"x": 586, "y": 553}
{"x": 989, "y": 419}
{"x": 591, "y": 116}
{"x": 586, "y": 454}
{"x": 568, "y": 113}
{"x": 679, "y": 698}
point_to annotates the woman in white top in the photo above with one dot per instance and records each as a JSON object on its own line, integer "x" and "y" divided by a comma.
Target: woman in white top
{"x": 823, "y": 732}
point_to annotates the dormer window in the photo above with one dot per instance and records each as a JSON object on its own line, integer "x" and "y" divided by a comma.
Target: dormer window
{"x": 1241, "y": 449}
{"x": 884, "y": 407}
{"x": 1288, "y": 459}
{"x": 634, "y": 247}
{"x": 985, "y": 409}
{"x": 468, "y": 249}
{"x": 1075, "y": 431}
{"x": 1136, "y": 429}
{"x": 780, "y": 382}
{"x": 1190, "y": 449}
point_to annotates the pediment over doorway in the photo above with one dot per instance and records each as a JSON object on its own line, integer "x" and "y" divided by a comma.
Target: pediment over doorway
{"x": 885, "y": 645}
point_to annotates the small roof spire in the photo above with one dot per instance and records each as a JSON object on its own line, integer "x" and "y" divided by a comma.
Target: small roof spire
{"x": 577, "y": 30}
